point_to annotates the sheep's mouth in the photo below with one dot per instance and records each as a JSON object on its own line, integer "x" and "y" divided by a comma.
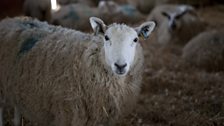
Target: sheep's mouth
{"x": 120, "y": 72}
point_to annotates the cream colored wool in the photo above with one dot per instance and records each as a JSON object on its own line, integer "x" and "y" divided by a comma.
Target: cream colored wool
{"x": 111, "y": 12}
{"x": 75, "y": 16}
{"x": 63, "y": 79}
{"x": 144, "y": 6}
{"x": 206, "y": 50}
{"x": 41, "y": 9}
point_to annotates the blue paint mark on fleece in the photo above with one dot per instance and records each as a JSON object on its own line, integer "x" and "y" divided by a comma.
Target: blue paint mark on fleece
{"x": 28, "y": 24}
{"x": 27, "y": 45}
{"x": 128, "y": 10}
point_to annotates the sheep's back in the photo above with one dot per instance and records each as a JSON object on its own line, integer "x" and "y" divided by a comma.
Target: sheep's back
{"x": 206, "y": 50}
{"x": 37, "y": 59}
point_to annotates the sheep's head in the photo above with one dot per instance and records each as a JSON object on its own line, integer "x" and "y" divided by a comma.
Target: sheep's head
{"x": 174, "y": 17}
{"x": 108, "y": 7}
{"x": 120, "y": 43}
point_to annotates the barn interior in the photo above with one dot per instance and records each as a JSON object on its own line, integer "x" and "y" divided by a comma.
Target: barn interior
{"x": 182, "y": 85}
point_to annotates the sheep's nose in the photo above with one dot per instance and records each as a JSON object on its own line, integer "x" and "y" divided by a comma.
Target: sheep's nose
{"x": 120, "y": 66}
{"x": 173, "y": 26}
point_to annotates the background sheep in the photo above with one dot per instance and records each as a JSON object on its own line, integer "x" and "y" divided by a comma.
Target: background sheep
{"x": 156, "y": 13}
{"x": 40, "y": 9}
{"x": 206, "y": 50}
{"x": 190, "y": 2}
{"x": 144, "y": 6}
{"x": 126, "y": 13}
{"x": 76, "y": 15}
{"x": 86, "y": 2}
{"x": 57, "y": 76}
{"x": 92, "y": 3}
{"x": 177, "y": 24}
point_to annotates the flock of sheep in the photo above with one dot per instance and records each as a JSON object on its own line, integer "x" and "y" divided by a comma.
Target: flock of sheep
{"x": 57, "y": 76}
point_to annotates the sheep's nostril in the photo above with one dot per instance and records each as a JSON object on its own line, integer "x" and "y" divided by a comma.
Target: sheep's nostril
{"x": 120, "y": 67}
{"x": 173, "y": 26}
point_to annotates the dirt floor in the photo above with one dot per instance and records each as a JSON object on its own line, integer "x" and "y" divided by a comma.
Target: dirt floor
{"x": 175, "y": 93}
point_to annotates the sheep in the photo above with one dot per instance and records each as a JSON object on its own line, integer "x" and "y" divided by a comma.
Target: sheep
{"x": 176, "y": 24}
{"x": 76, "y": 15}
{"x": 206, "y": 50}
{"x": 40, "y": 9}
{"x": 126, "y": 13}
{"x": 59, "y": 77}
{"x": 190, "y": 2}
{"x": 17, "y": 116}
{"x": 91, "y": 3}
{"x": 144, "y": 6}
{"x": 156, "y": 13}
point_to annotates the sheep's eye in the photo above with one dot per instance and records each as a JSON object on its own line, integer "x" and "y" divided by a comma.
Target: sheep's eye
{"x": 135, "y": 40}
{"x": 106, "y": 38}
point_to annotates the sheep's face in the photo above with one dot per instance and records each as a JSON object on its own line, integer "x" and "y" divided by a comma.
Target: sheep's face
{"x": 120, "y": 43}
{"x": 174, "y": 18}
{"x": 108, "y": 7}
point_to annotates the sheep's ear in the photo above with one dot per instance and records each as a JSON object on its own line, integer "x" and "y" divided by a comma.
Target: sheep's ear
{"x": 97, "y": 25}
{"x": 187, "y": 9}
{"x": 145, "y": 29}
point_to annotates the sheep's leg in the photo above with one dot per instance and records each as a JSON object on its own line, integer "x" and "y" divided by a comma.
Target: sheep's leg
{"x": 1, "y": 116}
{"x": 17, "y": 117}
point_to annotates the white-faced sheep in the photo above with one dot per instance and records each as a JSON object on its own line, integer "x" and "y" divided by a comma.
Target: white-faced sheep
{"x": 156, "y": 13}
{"x": 177, "y": 24}
{"x": 40, "y": 9}
{"x": 206, "y": 51}
{"x": 61, "y": 77}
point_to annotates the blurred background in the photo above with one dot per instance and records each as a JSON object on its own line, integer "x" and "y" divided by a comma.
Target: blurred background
{"x": 183, "y": 83}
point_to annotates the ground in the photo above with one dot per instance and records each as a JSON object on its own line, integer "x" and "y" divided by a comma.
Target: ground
{"x": 175, "y": 93}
